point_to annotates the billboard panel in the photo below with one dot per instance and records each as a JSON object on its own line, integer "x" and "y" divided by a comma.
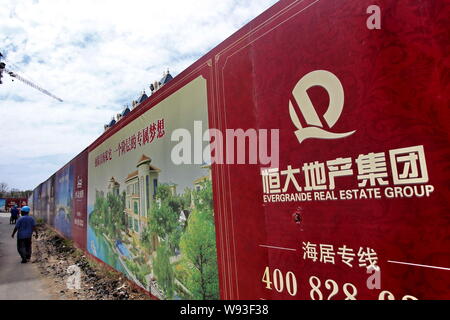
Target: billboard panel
{"x": 36, "y": 209}
{"x": 47, "y": 201}
{"x": 148, "y": 217}
{"x": 357, "y": 207}
{"x": 30, "y": 200}
{"x": 79, "y": 203}
{"x": 63, "y": 215}
{"x": 353, "y": 203}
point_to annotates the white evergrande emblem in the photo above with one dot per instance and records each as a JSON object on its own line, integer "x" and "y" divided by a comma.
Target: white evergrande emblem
{"x": 314, "y": 127}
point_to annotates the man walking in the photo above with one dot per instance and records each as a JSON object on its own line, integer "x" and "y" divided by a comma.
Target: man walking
{"x": 14, "y": 215}
{"x": 24, "y": 228}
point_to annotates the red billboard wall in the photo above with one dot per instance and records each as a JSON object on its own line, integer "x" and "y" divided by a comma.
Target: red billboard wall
{"x": 355, "y": 205}
{"x": 362, "y": 178}
{"x": 15, "y": 201}
{"x": 61, "y": 200}
{"x": 79, "y": 203}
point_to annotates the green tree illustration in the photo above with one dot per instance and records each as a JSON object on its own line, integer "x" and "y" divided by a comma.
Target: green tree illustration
{"x": 108, "y": 214}
{"x": 114, "y": 214}
{"x": 97, "y": 219}
{"x": 186, "y": 198}
{"x": 163, "y": 270}
{"x": 164, "y": 216}
{"x": 198, "y": 246}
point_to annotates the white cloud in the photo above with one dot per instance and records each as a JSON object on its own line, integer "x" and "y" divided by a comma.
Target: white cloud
{"x": 96, "y": 56}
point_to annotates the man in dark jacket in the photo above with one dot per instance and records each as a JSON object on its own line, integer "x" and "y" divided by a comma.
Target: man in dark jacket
{"x": 14, "y": 214}
{"x": 25, "y": 227}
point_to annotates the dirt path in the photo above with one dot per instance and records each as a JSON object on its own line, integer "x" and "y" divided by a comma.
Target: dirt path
{"x": 55, "y": 256}
{"x": 45, "y": 278}
{"x": 19, "y": 281}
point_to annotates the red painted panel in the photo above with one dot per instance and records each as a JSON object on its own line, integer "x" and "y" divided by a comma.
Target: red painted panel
{"x": 395, "y": 84}
{"x": 79, "y": 203}
{"x": 9, "y": 202}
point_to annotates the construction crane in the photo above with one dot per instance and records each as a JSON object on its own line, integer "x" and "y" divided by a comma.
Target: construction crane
{"x": 14, "y": 75}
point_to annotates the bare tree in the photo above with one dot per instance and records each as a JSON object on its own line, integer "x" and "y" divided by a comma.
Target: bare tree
{"x": 3, "y": 189}
{"x": 15, "y": 193}
{"x": 5, "y": 192}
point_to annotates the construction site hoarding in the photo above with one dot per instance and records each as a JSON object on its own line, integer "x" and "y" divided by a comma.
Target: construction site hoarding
{"x": 357, "y": 205}
{"x": 30, "y": 200}
{"x": 149, "y": 217}
{"x": 44, "y": 201}
{"x": 79, "y": 202}
{"x": 60, "y": 201}
{"x": 350, "y": 201}
{"x": 63, "y": 215}
{"x": 35, "y": 208}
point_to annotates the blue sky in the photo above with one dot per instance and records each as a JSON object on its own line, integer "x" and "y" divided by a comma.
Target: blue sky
{"x": 97, "y": 56}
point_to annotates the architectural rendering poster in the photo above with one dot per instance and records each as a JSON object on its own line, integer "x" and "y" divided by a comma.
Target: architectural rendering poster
{"x": 63, "y": 200}
{"x": 151, "y": 218}
{"x": 44, "y": 204}
{"x": 36, "y": 206}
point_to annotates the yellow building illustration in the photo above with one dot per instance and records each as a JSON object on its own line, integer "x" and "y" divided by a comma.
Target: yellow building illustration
{"x": 199, "y": 182}
{"x": 141, "y": 186}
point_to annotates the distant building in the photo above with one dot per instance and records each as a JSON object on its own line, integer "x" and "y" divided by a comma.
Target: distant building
{"x": 141, "y": 186}
{"x": 99, "y": 194}
{"x": 142, "y": 98}
{"x": 155, "y": 86}
{"x": 198, "y": 183}
{"x": 173, "y": 188}
{"x": 125, "y": 112}
{"x": 110, "y": 124}
{"x": 167, "y": 77}
{"x": 118, "y": 117}
{"x": 113, "y": 187}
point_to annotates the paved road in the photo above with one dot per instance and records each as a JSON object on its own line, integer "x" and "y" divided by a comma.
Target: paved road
{"x": 18, "y": 281}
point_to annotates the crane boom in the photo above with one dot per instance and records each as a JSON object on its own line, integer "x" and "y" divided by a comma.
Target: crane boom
{"x": 31, "y": 84}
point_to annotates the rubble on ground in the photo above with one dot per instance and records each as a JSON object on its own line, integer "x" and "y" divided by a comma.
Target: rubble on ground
{"x": 54, "y": 255}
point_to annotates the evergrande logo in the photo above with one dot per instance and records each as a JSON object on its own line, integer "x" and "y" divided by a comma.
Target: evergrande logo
{"x": 314, "y": 127}
{"x": 79, "y": 182}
